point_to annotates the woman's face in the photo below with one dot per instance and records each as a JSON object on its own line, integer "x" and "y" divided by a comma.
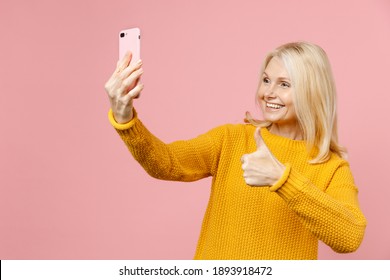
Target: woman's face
{"x": 276, "y": 95}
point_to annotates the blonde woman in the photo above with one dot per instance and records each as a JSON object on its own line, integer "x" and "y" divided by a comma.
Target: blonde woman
{"x": 279, "y": 185}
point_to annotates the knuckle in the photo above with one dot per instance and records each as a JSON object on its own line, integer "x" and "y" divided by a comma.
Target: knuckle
{"x": 137, "y": 73}
{"x": 134, "y": 93}
{"x": 115, "y": 94}
{"x": 123, "y": 88}
{"x": 110, "y": 93}
{"x": 107, "y": 86}
{"x": 125, "y": 84}
{"x": 128, "y": 81}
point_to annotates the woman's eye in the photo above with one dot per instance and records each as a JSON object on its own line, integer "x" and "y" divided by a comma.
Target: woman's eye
{"x": 285, "y": 85}
{"x": 266, "y": 80}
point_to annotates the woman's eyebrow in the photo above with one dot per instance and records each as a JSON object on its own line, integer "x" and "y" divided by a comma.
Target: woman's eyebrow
{"x": 279, "y": 78}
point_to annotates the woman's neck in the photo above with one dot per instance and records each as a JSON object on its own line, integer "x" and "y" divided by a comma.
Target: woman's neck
{"x": 293, "y": 132}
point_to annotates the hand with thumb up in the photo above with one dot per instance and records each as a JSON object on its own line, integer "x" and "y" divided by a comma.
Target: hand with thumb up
{"x": 261, "y": 168}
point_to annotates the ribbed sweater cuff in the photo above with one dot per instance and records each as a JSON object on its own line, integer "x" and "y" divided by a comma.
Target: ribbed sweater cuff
{"x": 121, "y": 126}
{"x": 128, "y": 130}
{"x": 290, "y": 184}
{"x": 282, "y": 179}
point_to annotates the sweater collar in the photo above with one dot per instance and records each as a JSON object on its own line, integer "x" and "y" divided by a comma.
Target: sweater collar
{"x": 280, "y": 142}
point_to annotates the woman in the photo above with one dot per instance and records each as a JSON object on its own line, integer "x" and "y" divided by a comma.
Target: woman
{"x": 279, "y": 185}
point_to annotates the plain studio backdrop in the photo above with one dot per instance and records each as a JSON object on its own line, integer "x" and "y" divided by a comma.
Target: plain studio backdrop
{"x": 69, "y": 189}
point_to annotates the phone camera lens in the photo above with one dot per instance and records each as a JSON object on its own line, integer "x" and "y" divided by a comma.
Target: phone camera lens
{"x": 122, "y": 35}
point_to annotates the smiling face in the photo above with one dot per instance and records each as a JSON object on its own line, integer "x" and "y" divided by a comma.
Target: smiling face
{"x": 275, "y": 95}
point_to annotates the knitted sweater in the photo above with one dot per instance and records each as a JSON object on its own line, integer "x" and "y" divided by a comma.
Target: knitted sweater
{"x": 310, "y": 202}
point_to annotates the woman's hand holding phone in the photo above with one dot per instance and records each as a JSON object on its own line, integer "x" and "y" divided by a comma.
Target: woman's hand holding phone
{"x": 123, "y": 86}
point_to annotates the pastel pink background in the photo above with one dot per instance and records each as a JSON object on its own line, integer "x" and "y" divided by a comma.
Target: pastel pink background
{"x": 68, "y": 187}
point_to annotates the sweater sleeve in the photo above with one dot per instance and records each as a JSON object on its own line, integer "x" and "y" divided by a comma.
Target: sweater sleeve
{"x": 187, "y": 160}
{"x": 332, "y": 216}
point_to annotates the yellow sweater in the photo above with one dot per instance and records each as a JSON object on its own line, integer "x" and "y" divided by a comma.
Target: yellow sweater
{"x": 283, "y": 221}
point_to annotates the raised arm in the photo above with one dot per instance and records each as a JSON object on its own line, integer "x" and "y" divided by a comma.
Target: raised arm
{"x": 184, "y": 160}
{"x": 181, "y": 160}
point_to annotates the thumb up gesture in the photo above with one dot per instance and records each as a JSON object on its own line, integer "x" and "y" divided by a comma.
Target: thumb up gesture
{"x": 261, "y": 168}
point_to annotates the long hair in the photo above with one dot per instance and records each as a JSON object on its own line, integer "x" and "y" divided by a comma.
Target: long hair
{"x": 314, "y": 97}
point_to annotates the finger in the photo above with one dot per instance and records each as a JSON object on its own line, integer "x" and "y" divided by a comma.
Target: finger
{"x": 130, "y": 69}
{"x": 124, "y": 62}
{"x": 135, "y": 92}
{"x": 139, "y": 94}
{"x": 258, "y": 138}
{"x": 121, "y": 65}
{"x": 260, "y": 143}
{"x": 129, "y": 83}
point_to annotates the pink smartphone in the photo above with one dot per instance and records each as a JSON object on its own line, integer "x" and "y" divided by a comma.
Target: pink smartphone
{"x": 130, "y": 40}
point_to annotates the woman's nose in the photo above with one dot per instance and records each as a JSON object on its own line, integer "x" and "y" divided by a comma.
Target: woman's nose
{"x": 269, "y": 92}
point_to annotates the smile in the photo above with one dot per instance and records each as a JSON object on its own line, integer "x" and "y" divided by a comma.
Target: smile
{"x": 274, "y": 106}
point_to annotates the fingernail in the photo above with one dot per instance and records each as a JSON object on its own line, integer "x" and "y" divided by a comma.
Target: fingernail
{"x": 139, "y": 62}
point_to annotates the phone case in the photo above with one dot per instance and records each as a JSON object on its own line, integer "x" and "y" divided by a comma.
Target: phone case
{"x": 130, "y": 40}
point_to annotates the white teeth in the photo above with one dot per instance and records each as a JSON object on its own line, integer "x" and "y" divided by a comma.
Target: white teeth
{"x": 274, "y": 106}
